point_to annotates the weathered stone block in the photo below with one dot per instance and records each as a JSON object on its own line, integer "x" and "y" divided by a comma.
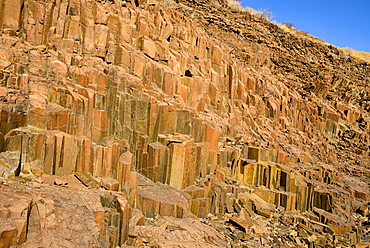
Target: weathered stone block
{"x": 124, "y": 167}
{"x": 12, "y": 14}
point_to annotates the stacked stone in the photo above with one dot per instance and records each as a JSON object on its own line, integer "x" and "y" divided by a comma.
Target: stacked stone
{"x": 145, "y": 51}
{"x": 107, "y": 88}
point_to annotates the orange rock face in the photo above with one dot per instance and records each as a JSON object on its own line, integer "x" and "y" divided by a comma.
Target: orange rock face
{"x": 43, "y": 214}
{"x": 182, "y": 110}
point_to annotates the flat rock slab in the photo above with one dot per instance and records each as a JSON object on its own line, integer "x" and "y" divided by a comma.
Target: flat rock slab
{"x": 159, "y": 199}
{"x": 188, "y": 232}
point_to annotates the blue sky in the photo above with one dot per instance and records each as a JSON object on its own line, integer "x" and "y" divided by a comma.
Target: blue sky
{"x": 341, "y": 23}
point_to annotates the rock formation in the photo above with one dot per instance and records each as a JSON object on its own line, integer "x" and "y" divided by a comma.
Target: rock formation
{"x": 177, "y": 124}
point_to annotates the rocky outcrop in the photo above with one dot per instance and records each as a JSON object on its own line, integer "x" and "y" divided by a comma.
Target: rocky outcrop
{"x": 227, "y": 116}
{"x": 40, "y": 213}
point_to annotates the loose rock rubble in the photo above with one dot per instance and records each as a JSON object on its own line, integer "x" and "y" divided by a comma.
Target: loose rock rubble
{"x": 177, "y": 124}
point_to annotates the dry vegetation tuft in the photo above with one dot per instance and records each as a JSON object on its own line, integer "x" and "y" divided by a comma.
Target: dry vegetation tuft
{"x": 235, "y": 6}
{"x": 170, "y": 4}
{"x": 357, "y": 54}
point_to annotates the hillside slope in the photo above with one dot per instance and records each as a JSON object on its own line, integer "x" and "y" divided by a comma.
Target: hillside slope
{"x": 191, "y": 110}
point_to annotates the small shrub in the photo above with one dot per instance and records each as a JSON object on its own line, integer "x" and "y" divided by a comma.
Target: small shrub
{"x": 266, "y": 13}
{"x": 235, "y": 6}
{"x": 289, "y": 24}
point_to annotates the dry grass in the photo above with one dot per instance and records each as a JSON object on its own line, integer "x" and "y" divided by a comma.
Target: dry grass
{"x": 301, "y": 34}
{"x": 346, "y": 50}
{"x": 170, "y": 4}
{"x": 357, "y": 54}
{"x": 235, "y": 6}
{"x": 215, "y": 4}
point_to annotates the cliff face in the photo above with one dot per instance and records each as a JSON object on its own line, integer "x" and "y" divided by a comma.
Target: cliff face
{"x": 227, "y": 114}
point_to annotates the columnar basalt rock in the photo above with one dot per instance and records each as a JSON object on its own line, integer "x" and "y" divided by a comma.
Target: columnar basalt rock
{"x": 216, "y": 112}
